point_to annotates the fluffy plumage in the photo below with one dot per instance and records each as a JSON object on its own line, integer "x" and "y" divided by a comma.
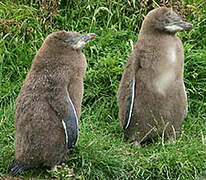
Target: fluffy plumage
{"x": 49, "y": 103}
{"x": 156, "y": 67}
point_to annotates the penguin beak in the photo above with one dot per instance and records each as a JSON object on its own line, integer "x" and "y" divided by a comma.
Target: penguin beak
{"x": 185, "y": 25}
{"x": 179, "y": 26}
{"x": 83, "y": 40}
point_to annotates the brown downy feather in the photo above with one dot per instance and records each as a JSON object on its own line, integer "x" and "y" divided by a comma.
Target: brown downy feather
{"x": 57, "y": 69}
{"x": 157, "y": 64}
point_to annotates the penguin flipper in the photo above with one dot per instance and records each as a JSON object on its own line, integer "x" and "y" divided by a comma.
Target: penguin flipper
{"x": 128, "y": 113}
{"x": 70, "y": 124}
{"x": 17, "y": 168}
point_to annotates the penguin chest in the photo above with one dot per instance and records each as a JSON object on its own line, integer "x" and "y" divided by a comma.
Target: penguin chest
{"x": 163, "y": 81}
{"x": 166, "y": 72}
{"x": 171, "y": 56}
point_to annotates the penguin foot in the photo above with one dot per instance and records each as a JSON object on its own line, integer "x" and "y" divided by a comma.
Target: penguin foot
{"x": 171, "y": 141}
{"x": 16, "y": 168}
{"x": 137, "y": 144}
{"x": 54, "y": 168}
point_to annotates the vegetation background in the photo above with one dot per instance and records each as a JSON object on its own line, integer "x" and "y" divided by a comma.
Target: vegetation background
{"x": 102, "y": 151}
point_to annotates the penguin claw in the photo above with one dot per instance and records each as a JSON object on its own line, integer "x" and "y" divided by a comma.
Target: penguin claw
{"x": 16, "y": 168}
{"x": 137, "y": 144}
{"x": 54, "y": 168}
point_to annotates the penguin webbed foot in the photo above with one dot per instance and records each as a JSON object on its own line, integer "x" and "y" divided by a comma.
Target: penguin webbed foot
{"x": 136, "y": 144}
{"x": 54, "y": 168}
{"x": 16, "y": 168}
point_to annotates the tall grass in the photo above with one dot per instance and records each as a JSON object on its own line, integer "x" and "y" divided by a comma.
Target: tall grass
{"x": 102, "y": 151}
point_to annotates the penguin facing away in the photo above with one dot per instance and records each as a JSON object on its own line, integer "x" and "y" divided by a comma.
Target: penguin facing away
{"x": 49, "y": 103}
{"x": 151, "y": 97}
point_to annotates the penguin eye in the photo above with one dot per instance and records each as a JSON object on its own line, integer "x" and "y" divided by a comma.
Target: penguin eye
{"x": 166, "y": 21}
{"x": 177, "y": 19}
{"x": 70, "y": 41}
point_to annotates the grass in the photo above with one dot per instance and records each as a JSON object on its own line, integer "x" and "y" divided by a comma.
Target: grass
{"x": 102, "y": 151}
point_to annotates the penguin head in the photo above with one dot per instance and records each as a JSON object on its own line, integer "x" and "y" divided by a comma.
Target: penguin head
{"x": 165, "y": 20}
{"x": 72, "y": 40}
{"x": 77, "y": 41}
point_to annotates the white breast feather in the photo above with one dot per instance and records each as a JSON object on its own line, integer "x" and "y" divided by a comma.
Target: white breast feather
{"x": 164, "y": 80}
{"x": 172, "y": 55}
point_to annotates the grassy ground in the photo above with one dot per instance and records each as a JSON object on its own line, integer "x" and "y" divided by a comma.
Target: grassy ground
{"x": 102, "y": 151}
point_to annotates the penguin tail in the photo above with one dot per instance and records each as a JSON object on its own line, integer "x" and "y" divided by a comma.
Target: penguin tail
{"x": 16, "y": 168}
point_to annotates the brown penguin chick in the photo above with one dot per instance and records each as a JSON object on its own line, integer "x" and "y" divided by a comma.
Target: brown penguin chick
{"x": 48, "y": 105}
{"x": 151, "y": 97}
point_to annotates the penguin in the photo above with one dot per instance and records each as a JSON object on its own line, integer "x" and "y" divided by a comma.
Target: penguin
{"x": 48, "y": 106}
{"x": 151, "y": 97}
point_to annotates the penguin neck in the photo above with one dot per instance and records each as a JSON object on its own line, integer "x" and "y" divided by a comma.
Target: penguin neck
{"x": 155, "y": 34}
{"x": 47, "y": 60}
{"x": 158, "y": 41}
{"x": 65, "y": 56}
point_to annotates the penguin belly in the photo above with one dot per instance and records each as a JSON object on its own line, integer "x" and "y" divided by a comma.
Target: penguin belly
{"x": 157, "y": 113}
